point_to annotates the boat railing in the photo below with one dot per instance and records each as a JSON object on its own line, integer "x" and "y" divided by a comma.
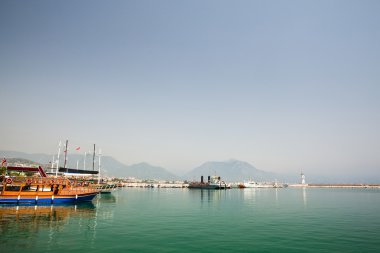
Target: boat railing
{"x": 67, "y": 185}
{"x": 36, "y": 180}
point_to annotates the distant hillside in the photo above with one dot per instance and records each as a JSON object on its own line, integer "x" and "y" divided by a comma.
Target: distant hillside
{"x": 147, "y": 171}
{"x": 231, "y": 171}
{"x": 37, "y": 158}
{"x": 21, "y": 161}
{"x": 110, "y": 166}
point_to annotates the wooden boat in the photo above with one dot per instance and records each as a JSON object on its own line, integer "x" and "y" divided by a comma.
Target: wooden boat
{"x": 38, "y": 190}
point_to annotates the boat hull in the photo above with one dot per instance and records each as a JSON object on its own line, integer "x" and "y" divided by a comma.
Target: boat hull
{"x": 208, "y": 186}
{"x": 47, "y": 199}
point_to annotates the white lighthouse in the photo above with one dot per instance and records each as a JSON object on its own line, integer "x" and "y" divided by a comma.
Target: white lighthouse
{"x": 303, "y": 182}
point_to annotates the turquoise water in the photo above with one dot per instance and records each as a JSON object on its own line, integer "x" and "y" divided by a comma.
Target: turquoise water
{"x": 183, "y": 220}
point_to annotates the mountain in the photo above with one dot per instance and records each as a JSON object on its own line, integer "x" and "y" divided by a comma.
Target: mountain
{"x": 147, "y": 171}
{"x": 37, "y": 158}
{"x": 109, "y": 166}
{"x": 230, "y": 171}
{"x": 25, "y": 162}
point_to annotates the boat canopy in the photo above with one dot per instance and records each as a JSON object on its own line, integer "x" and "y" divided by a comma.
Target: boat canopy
{"x": 67, "y": 170}
{"x": 29, "y": 169}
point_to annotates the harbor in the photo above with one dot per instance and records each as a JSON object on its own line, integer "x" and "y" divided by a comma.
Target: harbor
{"x": 170, "y": 218}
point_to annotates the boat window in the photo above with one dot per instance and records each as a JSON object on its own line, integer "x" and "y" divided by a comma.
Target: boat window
{"x": 1, "y": 187}
{"x": 45, "y": 188}
{"x": 12, "y": 188}
{"x": 26, "y": 188}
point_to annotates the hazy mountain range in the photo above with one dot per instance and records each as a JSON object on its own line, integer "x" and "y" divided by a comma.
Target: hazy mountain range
{"x": 231, "y": 170}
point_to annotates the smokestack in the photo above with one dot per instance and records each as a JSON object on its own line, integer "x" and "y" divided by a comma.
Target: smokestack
{"x": 208, "y": 179}
{"x": 202, "y": 179}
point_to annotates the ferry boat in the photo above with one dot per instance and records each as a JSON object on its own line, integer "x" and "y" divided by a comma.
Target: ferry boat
{"x": 213, "y": 182}
{"x": 39, "y": 190}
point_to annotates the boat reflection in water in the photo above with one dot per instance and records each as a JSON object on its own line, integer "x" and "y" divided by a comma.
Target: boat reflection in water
{"x": 208, "y": 196}
{"x": 46, "y": 228}
{"x": 29, "y": 222}
{"x": 105, "y": 198}
{"x": 43, "y": 215}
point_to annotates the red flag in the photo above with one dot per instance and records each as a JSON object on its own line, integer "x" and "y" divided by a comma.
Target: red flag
{"x": 65, "y": 151}
{"x": 78, "y": 148}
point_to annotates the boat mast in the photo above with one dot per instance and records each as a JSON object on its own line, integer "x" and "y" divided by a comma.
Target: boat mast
{"x": 67, "y": 143}
{"x": 59, "y": 151}
{"x": 84, "y": 161}
{"x": 100, "y": 154}
{"x": 93, "y": 160}
{"x": 52, "y": 163}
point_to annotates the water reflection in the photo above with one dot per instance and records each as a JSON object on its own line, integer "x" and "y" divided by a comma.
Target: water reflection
{"x": 249, "y": 194}
{"x": 105, "y": 198}
{"x": 105, "y": 204}
{"x": 208, "y": 196}
{"x": 304, "y": 196}
{"x": 50, "y": 213}
{"x": 29, "y": 219}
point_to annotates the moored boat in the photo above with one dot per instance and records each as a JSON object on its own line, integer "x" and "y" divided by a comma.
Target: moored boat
{"x": 34, "y": 190}
{"x": 105, "y": 188}
{"x": 213, "y": 182}
{"x": 254, "y": 184}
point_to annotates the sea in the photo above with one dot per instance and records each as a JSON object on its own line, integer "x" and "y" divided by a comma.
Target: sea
{"x": 189, "y": 220}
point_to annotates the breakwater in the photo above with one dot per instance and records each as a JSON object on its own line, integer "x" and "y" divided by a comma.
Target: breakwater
{"x": 336, "y": 185}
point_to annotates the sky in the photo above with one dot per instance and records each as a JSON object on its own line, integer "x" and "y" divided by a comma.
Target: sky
{"x": 284, "y": 85}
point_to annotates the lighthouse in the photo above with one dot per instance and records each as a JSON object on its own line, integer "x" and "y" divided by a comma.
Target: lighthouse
{"x": 303, "y": 178}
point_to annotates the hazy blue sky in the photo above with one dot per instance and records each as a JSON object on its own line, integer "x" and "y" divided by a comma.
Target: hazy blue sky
{"x": 284, "y": 85}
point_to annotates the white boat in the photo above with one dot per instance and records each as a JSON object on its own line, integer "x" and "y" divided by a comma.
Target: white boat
{"x": 253, "y": 184}
{"x": 250, "y": 184}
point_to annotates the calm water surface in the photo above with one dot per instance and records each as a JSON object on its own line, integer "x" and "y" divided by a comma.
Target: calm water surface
{"x": 183, "y": 220}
